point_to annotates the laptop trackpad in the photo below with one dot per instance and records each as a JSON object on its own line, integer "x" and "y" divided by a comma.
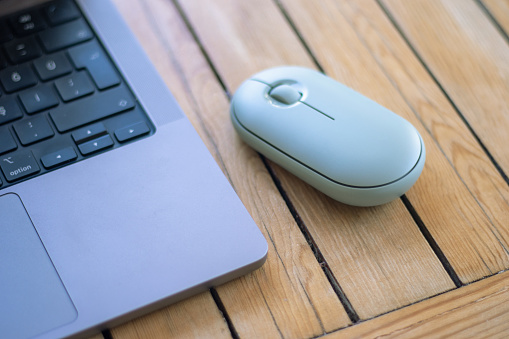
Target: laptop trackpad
{"x": 33, "y": 300}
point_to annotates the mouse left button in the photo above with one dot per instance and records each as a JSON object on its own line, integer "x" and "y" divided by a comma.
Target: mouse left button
{"x": 252, "y": 96}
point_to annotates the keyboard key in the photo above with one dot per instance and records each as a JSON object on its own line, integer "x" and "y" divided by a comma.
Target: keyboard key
{"x": 89, "y": 133}
{"x": 27, "y": 23}
{"x": 95, "y": 145}
{"x": 89, "y": 109}
{"x": 7, "y": 142}
{"x": 3, "y": 62}
{"x": 16, "y": 78}
{"x": 132, "y": 131}
{"x": 65, "y": 35}
{"x": 55, "y": 76}
{"x": 74, "y": 86}
{"x": 33, "y": 130}
{"x": 5, "y": 32}
{"x": 22, "y": 50}
{"x": 9, "y": 110}
{"x": 18, "y": 165}
{"x": 61, "y": 11}
{"x": 59, "y": 157}
{"x": 52, "y": 66}
{"x": 91, "y": 56}
{"x": 38, "y": 98}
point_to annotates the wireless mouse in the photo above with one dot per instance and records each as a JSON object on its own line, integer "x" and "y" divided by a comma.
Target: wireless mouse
{"x": 332, "y": 137}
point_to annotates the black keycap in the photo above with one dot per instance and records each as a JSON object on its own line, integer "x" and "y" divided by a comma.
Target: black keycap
{"x": 27, "y": 23}
{"x": 21, "y": 50}
{"x": 38, "y": 98}
{"x": 5, "y": 32}
{"x": 16, "y": 78}
{"x": 33, "y": 130}
{"x": 89, "y": 133}
{"x": 9, "y": 110}
{"x": 74, "y": 86}
{"x": 18, "y": 165}
{"x": 91, "y": 56}
{"x": 3, "y": 62}
{"x": 7, "y": 142}
{"x": 52, "y": 66}
{"x": 59, "y": 157}
{"x": 132, "y": 131}
{"x": 90, "y": 109}
{"x": 95, "y": 145}
{"x": 65, "y": 35}
{"x": 61, "y": 11}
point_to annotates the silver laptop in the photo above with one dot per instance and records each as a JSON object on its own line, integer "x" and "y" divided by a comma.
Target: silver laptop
{"x": 110, "y": 204}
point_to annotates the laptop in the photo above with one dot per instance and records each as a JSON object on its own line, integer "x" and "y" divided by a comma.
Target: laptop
{"x": 110, "y": 204}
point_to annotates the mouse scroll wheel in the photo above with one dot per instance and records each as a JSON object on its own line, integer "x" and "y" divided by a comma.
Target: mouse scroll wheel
{"x": 285, "y": 94}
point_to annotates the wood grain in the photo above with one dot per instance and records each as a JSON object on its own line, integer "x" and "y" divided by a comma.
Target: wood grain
{"x": 443, "y": 202}
{"x": 500, "y": 10}
{"x": 290, "y": 295}
{"x": 476, "y": 311}
{"x": 377, "y": 255}
{"x": 377, "y": 272}
{"x": 477, "y": 84}
{"x": 438, "y": 115}
{"x": 179, "y": 320}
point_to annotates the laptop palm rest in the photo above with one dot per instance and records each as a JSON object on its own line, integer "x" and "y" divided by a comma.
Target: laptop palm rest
{"x": 32, "y": 292}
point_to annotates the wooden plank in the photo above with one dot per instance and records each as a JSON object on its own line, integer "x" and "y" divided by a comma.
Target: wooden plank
{"x": 378, "y": 255}
{"x": 478, "y": 310}
{"x": 176, "y": 320}
{"x": 453, "y": 216}
{"x": 477, "y": 84}
{"x": 289, "y": 296}
{"x": 499, "y": 9}
{"x": 435, "y": 111}
{"x": 182, "y": 320}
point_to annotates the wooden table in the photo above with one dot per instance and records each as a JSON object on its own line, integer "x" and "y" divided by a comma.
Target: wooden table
{"x": 431, "y": 263}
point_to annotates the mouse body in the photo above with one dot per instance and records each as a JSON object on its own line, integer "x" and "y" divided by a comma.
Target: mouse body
{"x": 337, "y": 140}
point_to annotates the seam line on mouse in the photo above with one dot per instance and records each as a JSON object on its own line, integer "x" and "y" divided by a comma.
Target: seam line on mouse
{"x": 321, "y": 174}
{"x": 313, "y": 108}
{"x": 300, "y": 100}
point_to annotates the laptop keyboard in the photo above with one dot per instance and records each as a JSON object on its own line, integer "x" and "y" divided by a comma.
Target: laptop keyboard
{"x": 62, "y": 99}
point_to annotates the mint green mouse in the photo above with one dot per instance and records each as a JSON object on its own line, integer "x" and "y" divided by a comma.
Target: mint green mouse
{"x": 337, "y": 140}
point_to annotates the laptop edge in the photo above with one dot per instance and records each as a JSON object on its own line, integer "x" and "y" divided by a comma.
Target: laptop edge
{"x": 144, "y": 225}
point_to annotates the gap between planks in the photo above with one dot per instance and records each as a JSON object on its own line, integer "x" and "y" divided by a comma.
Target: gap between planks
{"x": 219, "y": 79}
{"x": 352, "y": 314}
{"x": 297, "y": 218}
{"x": 442, "y": 89}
